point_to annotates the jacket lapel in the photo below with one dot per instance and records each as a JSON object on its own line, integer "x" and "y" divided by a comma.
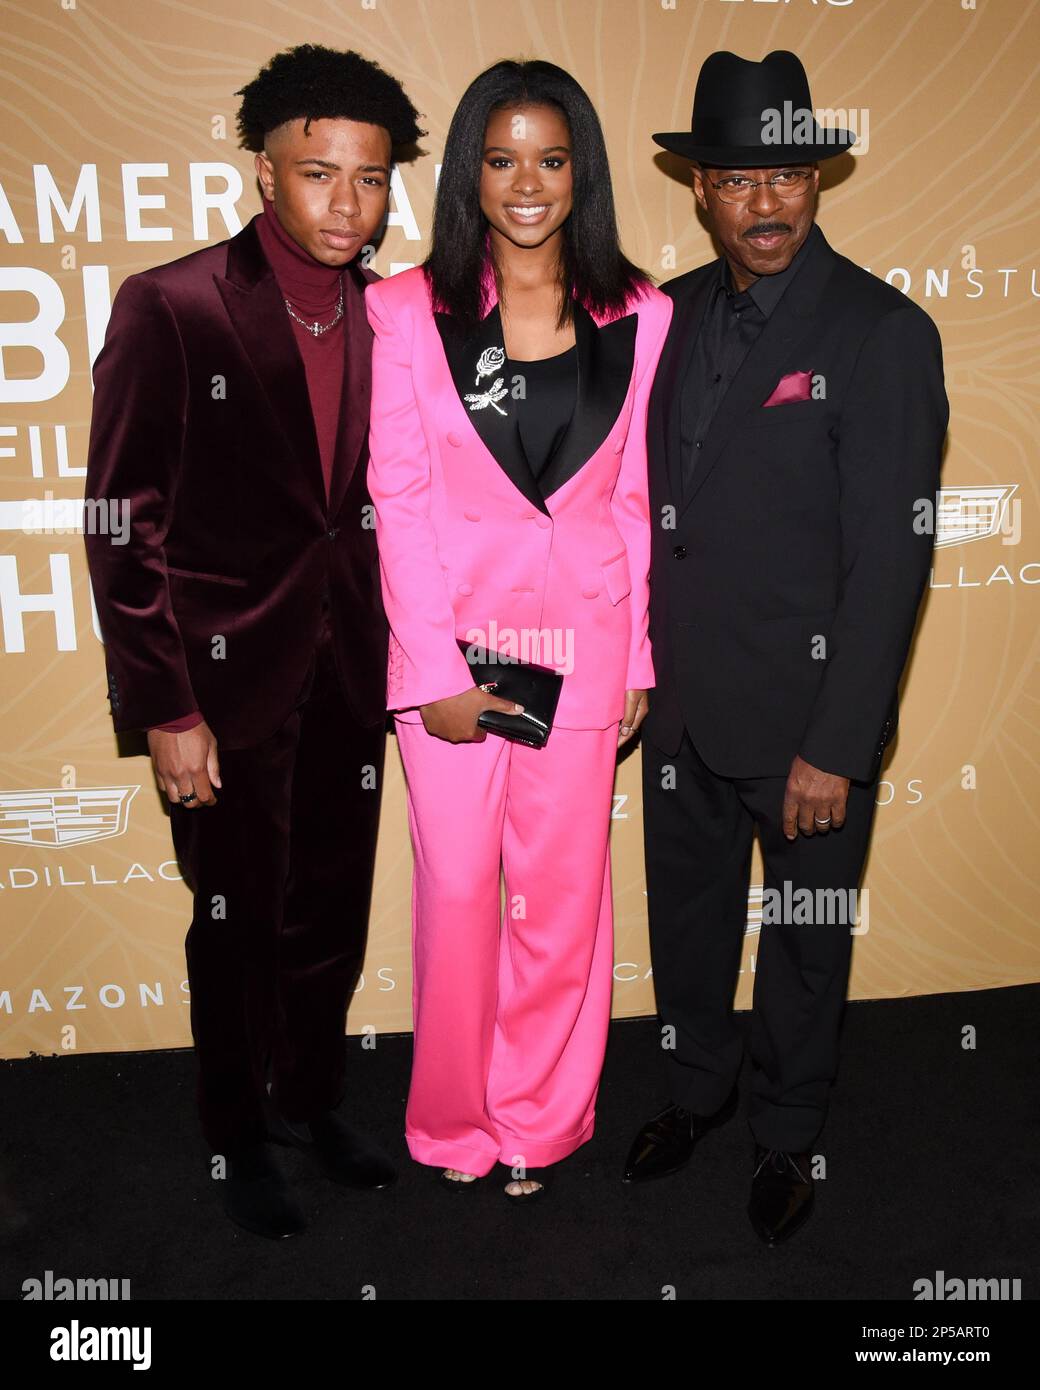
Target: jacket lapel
{"x": 778, "y": 343}
{"x": 478, "y": 369}
{"x": 257, "y": 313}
{"x": 356, "y": 394}
{"x": 671, "y": 374}
{"x": 605, "y": 357}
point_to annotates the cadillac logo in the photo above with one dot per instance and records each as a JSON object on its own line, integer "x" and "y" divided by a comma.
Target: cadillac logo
{"x": 970, "y": 513}
{"x": 55, "y": 818}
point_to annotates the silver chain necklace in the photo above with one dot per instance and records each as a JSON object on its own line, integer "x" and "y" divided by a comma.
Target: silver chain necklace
{"x": 319, "y": 328}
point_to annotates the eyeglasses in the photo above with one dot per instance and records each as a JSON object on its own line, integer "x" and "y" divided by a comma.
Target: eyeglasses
{"x": 787, "y": 184}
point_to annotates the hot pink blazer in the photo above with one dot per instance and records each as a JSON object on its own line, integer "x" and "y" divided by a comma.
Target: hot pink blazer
{"x": 471, "y": 545}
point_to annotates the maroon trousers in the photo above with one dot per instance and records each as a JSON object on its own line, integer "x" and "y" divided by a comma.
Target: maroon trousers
{"x": 281, "y": 868}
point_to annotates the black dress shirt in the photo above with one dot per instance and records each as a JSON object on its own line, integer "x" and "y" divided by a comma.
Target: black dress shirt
{"x": 732, "y": 322}
{"x": 544, "y": 412}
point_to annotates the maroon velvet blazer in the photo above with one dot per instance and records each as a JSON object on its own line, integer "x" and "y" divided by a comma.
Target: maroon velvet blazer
{"x": 202, "y": 424}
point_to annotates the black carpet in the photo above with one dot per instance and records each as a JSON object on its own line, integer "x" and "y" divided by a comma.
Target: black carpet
{"x": 931, "y": 1154}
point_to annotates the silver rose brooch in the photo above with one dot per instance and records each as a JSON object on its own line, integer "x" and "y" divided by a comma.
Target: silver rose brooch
{"x": 491, "y": 360}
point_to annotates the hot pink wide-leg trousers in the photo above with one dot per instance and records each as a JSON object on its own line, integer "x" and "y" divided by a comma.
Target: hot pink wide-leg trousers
{"x": 510, "y": 1009}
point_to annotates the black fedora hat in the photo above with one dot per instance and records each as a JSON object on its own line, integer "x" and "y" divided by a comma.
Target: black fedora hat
{"x": 754, "y": 115}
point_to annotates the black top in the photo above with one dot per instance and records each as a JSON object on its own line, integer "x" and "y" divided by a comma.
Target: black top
{"x": 732, "y": 321}
{"x": 546, "y": 404}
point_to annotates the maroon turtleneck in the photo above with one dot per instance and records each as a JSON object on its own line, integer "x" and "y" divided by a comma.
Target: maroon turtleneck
{"x": 313, "y": 291}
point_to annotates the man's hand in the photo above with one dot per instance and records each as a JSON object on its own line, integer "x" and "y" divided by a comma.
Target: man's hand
{"x": 814, "y": 801}
{"x": 455, "y": 719}
{"x": 186, "y": 763}
{"x": 637, "y": 706}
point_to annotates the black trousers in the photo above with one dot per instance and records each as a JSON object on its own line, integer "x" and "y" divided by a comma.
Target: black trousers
{"x": 281, "y": 868}
{"x": 698, "y": 835}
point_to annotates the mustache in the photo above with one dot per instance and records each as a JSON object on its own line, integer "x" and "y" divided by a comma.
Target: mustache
{"x": 765, "y": 228}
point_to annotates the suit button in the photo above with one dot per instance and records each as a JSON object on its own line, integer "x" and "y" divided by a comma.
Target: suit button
{"x": 471, "y": 516}
{"x": 542, "y": 522}
{"x": 465, "y": 589}
{"x": 590, "y": 593}
{"x": 679, "y": 552}
{"x": 454, "y": 439}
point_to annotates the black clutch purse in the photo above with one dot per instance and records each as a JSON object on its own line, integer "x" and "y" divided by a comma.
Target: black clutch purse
{"x": 537, "y": 688}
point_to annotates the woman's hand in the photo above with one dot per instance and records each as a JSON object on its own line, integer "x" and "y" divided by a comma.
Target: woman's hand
{"x": 455, "y": 718}
{"x": 637, "y": 706}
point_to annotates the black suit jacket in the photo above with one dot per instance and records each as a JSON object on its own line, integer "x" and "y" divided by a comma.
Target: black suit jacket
{"x": 785, "y": 586}
{"x": 202, "y": 422}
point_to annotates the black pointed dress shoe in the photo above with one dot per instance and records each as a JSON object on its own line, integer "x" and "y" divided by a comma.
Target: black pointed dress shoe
{"x": 782, "y": 1193}
{"x": 667, "y": 1142}
{"x": 344, "y": 1154}
{"x": 257, "y": 1196}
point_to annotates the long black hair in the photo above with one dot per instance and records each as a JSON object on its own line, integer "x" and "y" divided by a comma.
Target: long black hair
{"x": 592, "y": 266}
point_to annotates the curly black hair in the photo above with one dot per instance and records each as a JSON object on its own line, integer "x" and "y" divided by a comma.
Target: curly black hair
{"x": 318, "y": 83}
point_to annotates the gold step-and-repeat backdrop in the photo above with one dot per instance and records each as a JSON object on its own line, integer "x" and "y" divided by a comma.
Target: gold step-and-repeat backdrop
{"x": 118, "y": 152}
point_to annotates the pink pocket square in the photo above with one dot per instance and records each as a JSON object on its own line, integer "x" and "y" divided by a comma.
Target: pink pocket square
{"x": 796, "y": 386}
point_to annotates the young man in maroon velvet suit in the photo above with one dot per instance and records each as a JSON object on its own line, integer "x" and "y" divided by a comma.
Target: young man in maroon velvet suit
{"x": 243, "y": 624}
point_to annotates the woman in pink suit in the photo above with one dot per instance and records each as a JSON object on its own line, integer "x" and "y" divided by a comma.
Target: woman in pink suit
{"x": 510, "y": 379}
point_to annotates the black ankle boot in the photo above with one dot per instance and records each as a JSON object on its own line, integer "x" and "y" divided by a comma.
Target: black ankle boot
{"x": 256, "y": 1194}
{"x": 344, "y": 1154}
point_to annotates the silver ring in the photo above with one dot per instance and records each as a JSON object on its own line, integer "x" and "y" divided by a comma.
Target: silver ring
{"x": 191, "y": 796}
{"x": 822, "y": 822}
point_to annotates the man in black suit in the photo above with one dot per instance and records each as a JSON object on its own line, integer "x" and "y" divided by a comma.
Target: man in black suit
{"x": 795, "y": 430}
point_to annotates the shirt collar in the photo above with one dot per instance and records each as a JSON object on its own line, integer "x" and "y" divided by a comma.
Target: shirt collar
{"x": 768, "y": 290}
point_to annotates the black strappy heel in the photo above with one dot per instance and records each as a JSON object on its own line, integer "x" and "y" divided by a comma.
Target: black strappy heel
{"x": 538, "y": 1175}
{"x": 455, "y": 1183}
